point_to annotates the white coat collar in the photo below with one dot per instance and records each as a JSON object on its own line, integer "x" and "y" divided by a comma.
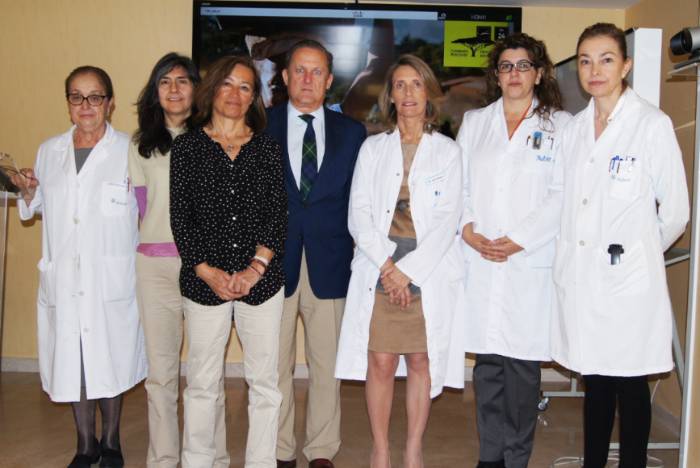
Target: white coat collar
{"x": 66, "y": 140}
{"x": 501, "y": 116}
{"x": 628, "y": 95}
{"x": 423, "y": 147}
{"x": 64, "y": 146}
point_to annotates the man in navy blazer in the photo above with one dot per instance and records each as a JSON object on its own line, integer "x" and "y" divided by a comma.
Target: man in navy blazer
{"x": 320, "y": 149}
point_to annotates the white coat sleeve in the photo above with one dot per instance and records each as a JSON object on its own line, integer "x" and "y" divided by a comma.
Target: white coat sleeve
{"x": 362, "y": 226}
{"x": 463, "y": 141}
{"x": 542, "y": 224}
{"x": 444, "y": 222}
{"x": 28, "y": 211}
{"x": 669, "y": 182}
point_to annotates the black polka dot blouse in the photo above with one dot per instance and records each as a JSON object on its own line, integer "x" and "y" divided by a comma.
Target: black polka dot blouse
{"x": 220, "y": 210}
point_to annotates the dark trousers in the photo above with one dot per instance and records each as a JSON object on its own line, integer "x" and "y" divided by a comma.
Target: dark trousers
{"x": 602, "y": 395}
{"x": 507, "y": 392}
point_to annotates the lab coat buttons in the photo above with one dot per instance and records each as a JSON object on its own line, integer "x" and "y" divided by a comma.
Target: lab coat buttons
{"x": 581, "y": 243}
{"x": 585, "y": 201}
{"x": 76, "y": 220}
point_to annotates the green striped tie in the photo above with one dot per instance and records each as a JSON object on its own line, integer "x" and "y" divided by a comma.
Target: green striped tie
{"x": 309, "y": 166}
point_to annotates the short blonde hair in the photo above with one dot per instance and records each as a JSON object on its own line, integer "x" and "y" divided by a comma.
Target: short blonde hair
{"x": 432, "y": 86}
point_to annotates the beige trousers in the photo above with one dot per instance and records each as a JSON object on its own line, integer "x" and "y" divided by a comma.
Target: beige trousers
{"x": 322, "y": 319}
{"x": 160, "y": 304}
{"x": 208, "y": 329}
{"x": 258, "y": 328}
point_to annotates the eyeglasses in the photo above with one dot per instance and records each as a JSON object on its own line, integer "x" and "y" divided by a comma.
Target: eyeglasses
{"x": 76, "y": 99}
{"x": 521, "y": 66}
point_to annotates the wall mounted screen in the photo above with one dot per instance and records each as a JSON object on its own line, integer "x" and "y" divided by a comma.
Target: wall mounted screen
{"x": 364, "y": 40}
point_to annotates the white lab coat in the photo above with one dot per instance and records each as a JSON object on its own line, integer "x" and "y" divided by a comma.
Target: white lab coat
{"x": 86, "y": 272}
{"x": 436, "y": 264}
{"x": 616, "y": 319}
{"x": 509, "y": 304}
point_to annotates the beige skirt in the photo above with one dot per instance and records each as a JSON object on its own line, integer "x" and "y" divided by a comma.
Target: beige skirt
{"x": 396, "y": 330}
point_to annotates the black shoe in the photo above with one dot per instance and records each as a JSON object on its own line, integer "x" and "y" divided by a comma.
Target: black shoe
{"x": 111, "y": 458}
{"x": 496, "y": 464}
{"x": 80, "y": 460}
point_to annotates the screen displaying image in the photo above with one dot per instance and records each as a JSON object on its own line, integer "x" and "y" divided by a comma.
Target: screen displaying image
{"x": 364, "y": 40}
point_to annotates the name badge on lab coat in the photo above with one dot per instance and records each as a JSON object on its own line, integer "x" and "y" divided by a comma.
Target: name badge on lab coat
{"x": 434, "y": 184}
{"x": 114, "y": 198}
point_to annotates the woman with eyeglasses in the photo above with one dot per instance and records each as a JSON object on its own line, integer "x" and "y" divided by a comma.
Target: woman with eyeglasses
{"x": 508, "y": 160}
{"x": 91, "y": 347}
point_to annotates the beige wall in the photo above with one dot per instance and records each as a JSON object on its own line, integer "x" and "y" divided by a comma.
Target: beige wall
{"x": 40, "y": 42}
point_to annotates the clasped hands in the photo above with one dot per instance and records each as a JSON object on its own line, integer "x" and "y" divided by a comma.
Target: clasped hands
{"x": 228, "y": 287}
{"x": 496, "y": 250}
{"x": 396, "y": 284}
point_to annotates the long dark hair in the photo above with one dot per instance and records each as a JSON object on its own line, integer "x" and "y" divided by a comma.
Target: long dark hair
{"x": 152, "y": 134}
{"x": 204, "y": 95}
{"x": 547, "y": 91}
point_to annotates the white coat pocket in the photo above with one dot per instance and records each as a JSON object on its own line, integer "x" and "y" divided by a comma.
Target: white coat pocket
{"x": 118, "y": 278}
{"x": 630, "y": 277}
{"x": 114, "y": 201}
{"x": 542, "y": 257}
{"x": 562, "y": 264}
{"x": 624, "y": 178}
{"x": 538, "y": 161}
{"x": 435, "y": 186}
{"x": 47, "y": 283}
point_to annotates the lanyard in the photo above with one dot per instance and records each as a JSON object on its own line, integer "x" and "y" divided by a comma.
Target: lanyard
{"x": 522, "y": 117}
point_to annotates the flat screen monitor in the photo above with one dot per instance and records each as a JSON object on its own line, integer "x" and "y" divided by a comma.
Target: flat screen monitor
{"x": 365, "y": 39}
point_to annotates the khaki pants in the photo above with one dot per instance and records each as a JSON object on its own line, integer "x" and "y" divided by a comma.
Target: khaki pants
{"x": 322, "y": 319}
{"x": 160, "y": 304}
{"x": 208, "y": 329}
{"x": 258, "y": 328}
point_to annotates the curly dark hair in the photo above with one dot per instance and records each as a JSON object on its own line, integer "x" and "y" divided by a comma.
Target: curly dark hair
{"x": 152, "y": 134}
{"x": 547, "y": 91}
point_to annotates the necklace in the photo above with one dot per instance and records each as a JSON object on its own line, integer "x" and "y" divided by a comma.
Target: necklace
{"x": 221, "y": 138}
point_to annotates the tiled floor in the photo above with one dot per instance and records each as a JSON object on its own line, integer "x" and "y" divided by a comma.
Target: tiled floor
{"x": 37, "y": 433}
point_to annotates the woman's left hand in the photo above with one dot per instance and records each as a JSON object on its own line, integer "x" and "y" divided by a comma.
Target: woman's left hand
{"x": 505, "y": 246}
{"x": 243, "y": 281}
{"x": 401, "y": 298}
{"x": 394, "y": 280}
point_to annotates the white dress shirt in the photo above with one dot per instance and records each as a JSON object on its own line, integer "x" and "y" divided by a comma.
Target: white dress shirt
{"x": 296, "y": 127}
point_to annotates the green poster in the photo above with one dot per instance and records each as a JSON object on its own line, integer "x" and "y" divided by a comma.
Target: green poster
{"x": 467, "y": 43}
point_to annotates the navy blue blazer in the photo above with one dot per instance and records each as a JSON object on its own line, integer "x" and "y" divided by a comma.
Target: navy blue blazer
{"x": 319, "y": 226}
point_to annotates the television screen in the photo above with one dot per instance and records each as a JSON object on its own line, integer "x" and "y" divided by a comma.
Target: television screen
{"x": 364, "y": 40}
